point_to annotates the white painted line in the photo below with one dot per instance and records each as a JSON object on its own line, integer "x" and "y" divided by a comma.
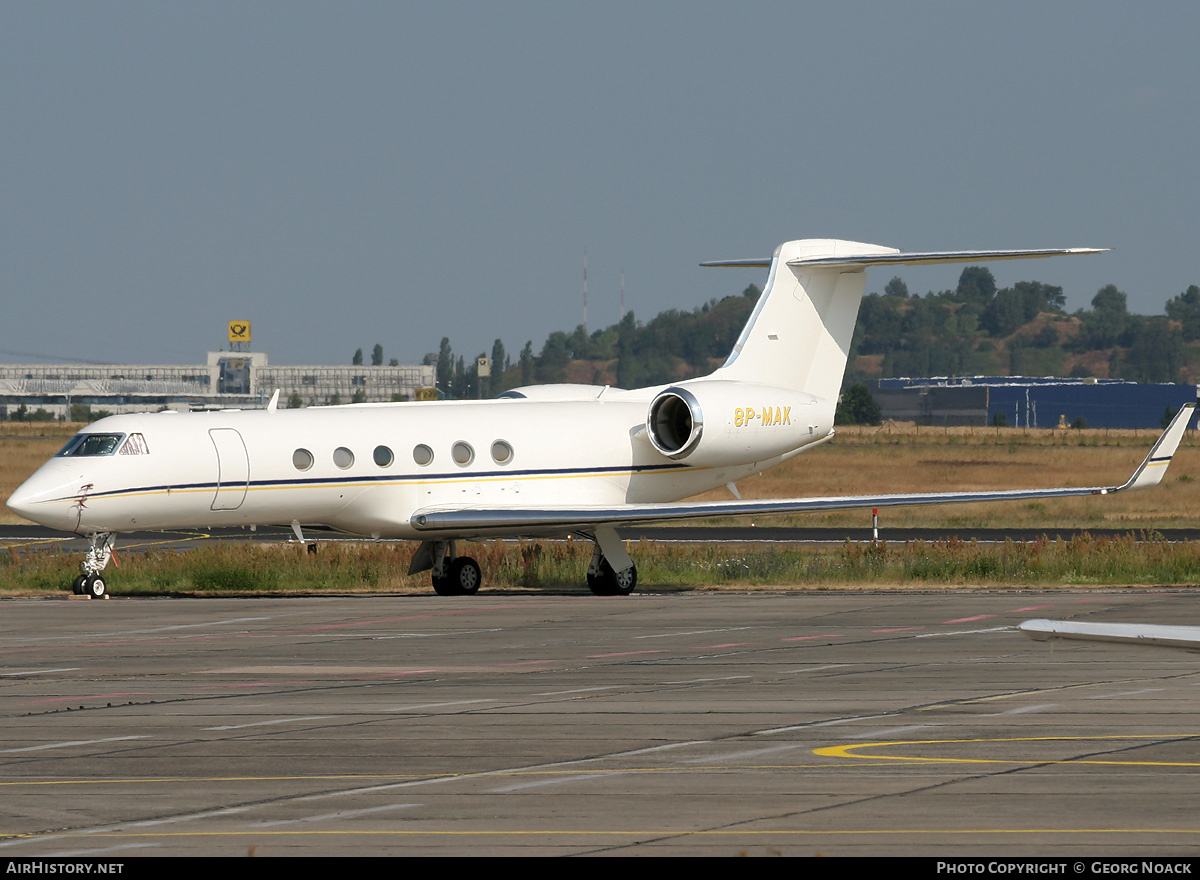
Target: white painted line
{"x": 38, "y": 671}
{"x": 748, "y": 753}
{"x": 1125, "y": 694}
{"x": 607, "y": 687}
{"x": 557, "y": 780}
{"x": 1025, "y": 710}
{"x": 814, "y": 724}
{"x": 695, "y": 632}
{"x": 422, "y": 706}
{"x": 271, "y": 722}
{"x": 966, "y": 632}
{"x": 891, "y": 731}
{"x": 328, "y": 817}
{"x": 150, "y": 823}
{"x": 67, "y": 745}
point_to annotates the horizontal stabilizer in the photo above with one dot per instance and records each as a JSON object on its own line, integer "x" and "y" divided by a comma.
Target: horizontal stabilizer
{"x": 901, "y": 259}
{"x": 1186, "y": 637}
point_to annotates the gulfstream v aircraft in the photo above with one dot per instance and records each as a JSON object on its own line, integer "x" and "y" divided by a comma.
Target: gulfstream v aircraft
{"x": 539, "y": 461}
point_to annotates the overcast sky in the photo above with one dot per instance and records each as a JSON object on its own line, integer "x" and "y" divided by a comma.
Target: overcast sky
{"x": 352, "y": 173}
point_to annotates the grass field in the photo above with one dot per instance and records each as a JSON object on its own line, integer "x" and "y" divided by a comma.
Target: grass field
{"x": 858, "y": 461}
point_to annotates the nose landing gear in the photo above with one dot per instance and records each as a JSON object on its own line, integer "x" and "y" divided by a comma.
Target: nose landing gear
{"x": 91, "y": 582}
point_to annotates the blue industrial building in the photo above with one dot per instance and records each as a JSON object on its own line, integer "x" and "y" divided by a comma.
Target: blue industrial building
{"x": 1031, "y": 402}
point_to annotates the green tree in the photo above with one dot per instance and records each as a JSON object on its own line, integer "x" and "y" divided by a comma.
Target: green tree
{"x": 445, "y": 366}
{"x": 858, "y": 407}
{"x": 1185, "y": 309}
{"x": 975, "y": 285}
{"x": 499, "y": 365}
{"x": 357, "y": 359}
{"x": 527, "y": 363}
{"x": 377, "y": 355}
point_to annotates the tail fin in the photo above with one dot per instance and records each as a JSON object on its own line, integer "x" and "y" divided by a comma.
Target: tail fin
{"x": 798, "y": 335}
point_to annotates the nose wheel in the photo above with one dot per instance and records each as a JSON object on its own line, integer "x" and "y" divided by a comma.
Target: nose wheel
{"x": 89, "y": 585}
{"x": 91, "y": 582}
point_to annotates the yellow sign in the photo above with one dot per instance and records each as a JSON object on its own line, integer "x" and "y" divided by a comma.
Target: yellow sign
{"x": 239, "y": 331}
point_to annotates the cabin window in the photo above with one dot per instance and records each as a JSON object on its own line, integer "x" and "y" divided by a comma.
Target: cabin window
{"x": 135, "y": 445}
{"x": 302, "y": 459}
{"x": 422, "y": 455}
{"x": 383, "y": 456}
{"x": 502, "y": 452}
{"x": 92, "y": 444}
{"x": 343, "y": 457}
{"x": 462, "y": 453}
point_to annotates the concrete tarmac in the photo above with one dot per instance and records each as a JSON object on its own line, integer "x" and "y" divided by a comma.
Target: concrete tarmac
{"x": 868, "y": 723}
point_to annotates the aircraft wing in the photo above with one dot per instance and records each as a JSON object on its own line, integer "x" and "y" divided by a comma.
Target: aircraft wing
{"x": 1186, "y": 637}
{"x": 550, "y": 519}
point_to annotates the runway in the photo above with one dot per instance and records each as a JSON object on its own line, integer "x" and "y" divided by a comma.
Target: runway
{"x": 867, "y": 723}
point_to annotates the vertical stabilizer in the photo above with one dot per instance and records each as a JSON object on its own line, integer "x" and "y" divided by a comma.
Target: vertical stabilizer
{"x": 799, "y": 334}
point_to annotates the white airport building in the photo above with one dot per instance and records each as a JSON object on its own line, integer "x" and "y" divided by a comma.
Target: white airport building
{"x": 228, "y": 379}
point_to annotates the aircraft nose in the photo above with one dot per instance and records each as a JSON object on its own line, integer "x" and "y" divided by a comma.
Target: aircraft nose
{"x": 21, "y": 501}
{"x": 35, "y": 499}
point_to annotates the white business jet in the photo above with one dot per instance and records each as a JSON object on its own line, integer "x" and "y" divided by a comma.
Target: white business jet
{"x": 539, "y": 461}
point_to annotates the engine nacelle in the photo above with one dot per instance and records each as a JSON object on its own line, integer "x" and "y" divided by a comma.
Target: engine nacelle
{"x": 716, "y": 423}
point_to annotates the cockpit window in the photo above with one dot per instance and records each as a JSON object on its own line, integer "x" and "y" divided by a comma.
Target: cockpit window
{"x": 93, "y": 444}
{"x": 135, "y": 445}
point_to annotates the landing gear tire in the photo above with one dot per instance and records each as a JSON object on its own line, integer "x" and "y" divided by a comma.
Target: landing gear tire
{"x": 462, "y": 578}
{"x": 94, "y": 586}
{"x": 77, "y": 585}
{"x": 612, "y": 583}
{"x": 466, "y": 575}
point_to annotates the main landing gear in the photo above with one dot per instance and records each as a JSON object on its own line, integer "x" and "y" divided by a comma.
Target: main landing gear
{"x": 453, "y": 575}
{"x": 610, "y": 573}
{"x": 91, "y": 582}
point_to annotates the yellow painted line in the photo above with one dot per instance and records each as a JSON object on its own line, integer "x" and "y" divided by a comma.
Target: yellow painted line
{"x": 854, "y": 750}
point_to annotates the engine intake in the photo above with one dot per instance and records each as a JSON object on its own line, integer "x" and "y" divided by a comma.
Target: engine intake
{"x": 675, "y": 422}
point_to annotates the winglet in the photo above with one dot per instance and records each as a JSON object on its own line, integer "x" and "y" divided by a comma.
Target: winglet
{"x": 273, "y": 403}
{"x": 1154, "y": 467}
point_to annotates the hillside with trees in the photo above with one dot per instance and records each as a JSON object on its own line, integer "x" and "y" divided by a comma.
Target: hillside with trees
{"x": 973, "y": 330}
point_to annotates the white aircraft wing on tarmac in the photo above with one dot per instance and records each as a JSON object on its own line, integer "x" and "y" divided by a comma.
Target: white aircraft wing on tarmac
{"x": 1153, "y": 635}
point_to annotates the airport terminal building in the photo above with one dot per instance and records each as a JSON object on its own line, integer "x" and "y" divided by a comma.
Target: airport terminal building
{"x": 228, "y": 379}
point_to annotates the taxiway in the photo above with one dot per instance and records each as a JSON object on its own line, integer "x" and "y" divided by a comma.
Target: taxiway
{"x": 698, "y": 724}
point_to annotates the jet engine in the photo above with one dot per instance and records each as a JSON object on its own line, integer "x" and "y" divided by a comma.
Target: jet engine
{"x": 716, "y": 423}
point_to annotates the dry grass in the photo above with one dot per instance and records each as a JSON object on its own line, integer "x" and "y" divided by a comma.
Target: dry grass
{"x": 894, "y": 458}
{"x": 902, "y": 459}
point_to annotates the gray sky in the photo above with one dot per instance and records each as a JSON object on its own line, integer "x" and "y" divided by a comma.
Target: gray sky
{"x": 352, "y": 173}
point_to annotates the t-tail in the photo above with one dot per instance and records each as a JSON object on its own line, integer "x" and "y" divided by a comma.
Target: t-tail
{"x": 798, "y": 336}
